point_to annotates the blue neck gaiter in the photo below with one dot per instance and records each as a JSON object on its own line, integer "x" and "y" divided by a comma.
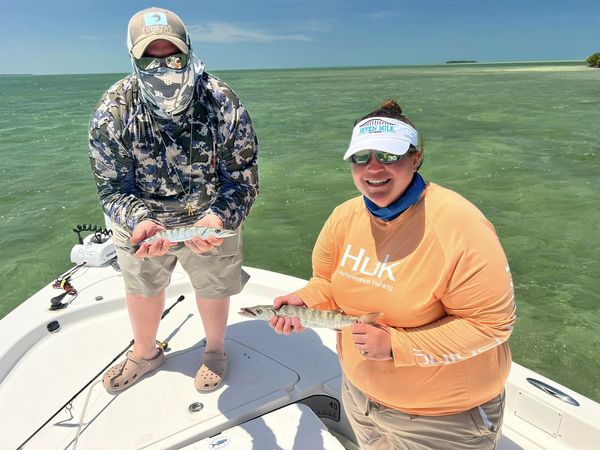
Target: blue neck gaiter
{"x": 410, "y": 197}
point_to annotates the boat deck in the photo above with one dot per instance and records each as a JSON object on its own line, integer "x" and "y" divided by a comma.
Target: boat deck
{"x": 266, "y": 371}
{"x": 268, "y": 375}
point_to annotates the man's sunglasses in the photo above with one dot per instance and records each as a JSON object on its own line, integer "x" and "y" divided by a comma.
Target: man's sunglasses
{"x": 148, "y": 63}
{"x": 361, "y": 158}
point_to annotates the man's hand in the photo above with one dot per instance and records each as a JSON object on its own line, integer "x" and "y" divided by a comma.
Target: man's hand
{"x": 144, "y": 230}
{"x": 289, "y": 324}
{"x": 198, "y": 245}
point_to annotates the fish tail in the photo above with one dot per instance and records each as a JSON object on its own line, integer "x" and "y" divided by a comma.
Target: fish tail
{"x": 370, "y": 318}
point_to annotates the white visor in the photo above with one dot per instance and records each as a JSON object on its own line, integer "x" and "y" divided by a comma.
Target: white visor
{"x": 383, "y": 134}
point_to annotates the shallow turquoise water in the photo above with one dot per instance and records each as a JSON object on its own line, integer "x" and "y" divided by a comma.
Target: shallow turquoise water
{"x": 521, "y": 141}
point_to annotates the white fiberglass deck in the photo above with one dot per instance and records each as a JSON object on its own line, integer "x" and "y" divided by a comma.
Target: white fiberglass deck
{"x": 40, "y": 371}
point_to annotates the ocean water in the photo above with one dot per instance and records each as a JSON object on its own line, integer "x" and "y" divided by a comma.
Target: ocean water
{"x": 521, "y": 141}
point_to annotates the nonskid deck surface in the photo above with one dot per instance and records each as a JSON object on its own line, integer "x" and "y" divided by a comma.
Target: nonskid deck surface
{"x": 265, "y": 372}
{"x": 166, "y": 403}
{"x": 292, "y": 427}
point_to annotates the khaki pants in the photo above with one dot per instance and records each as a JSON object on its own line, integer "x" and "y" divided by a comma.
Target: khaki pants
{"x": 217, "y": 273}
{"x": 378, "y": 427}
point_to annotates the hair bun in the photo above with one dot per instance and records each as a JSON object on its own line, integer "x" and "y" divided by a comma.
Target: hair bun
{"x": 390, "y": 104}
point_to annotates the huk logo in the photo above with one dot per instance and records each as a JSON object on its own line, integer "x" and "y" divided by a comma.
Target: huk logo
{"x": 362, "y": 264}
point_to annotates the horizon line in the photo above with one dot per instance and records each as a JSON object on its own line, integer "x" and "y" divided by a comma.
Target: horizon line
{"x": 445, "y": 64}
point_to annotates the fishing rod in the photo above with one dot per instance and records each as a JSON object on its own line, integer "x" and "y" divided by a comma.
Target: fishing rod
{"x": 163, "y": 345}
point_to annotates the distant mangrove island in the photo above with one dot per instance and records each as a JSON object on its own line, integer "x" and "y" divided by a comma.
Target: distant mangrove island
{"x": 593, "y": 60}
{"x": 460, "y": 61}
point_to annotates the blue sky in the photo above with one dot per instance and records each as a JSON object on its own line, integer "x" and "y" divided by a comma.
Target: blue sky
{"x": 69, "y": 36}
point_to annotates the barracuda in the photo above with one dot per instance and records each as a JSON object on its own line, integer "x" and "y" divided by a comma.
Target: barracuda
{"x": 334, "y": 320}
{"x": 186, "y": 233}
{"x": 181, "y": 234}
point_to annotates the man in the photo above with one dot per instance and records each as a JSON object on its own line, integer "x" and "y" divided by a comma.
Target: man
{"x": 171, "y": 145}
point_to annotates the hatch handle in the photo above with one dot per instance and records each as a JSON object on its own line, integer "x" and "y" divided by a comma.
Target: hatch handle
{"x": 553, "y": 391}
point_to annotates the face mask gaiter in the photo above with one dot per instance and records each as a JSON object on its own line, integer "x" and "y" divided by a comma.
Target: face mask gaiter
{"x": 168, "y": 91}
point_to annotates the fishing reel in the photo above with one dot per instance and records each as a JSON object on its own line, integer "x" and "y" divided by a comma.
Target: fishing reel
{"x": 64, "y": 283}
{"x": 95, "y": 249}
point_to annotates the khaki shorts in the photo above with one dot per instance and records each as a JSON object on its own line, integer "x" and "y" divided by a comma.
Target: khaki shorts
{"x": 378, "y": 427}
{"x": 215, "y": 274}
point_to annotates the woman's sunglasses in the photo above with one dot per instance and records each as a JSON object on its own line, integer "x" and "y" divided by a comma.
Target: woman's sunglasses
{"x": 149, "y": 63}
{"x": 361, "y": 158}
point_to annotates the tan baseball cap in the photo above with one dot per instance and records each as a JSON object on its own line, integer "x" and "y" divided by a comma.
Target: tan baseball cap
{"x": 153, "y": 23}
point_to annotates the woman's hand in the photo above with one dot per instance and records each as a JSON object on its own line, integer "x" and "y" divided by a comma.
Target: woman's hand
{"x": 198, "y": 245}
{"x": 373, "y": 342}
{"x": 144, "y": 230}
{"x": 287, "y": 325}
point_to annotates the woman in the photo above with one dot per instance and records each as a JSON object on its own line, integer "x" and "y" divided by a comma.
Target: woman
{"x": 431, "y": 373}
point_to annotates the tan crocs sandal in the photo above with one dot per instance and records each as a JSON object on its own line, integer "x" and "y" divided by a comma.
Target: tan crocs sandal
{"x": 120, "y": 376}
{"x": 211, "y": 373}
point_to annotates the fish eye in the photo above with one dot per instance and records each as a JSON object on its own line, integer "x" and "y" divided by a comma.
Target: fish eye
{"x": 259, "y": 311}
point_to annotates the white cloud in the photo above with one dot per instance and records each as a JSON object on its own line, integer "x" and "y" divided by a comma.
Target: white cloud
{"x": 228, "y": 33}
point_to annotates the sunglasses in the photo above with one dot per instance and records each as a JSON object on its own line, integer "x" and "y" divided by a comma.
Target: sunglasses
{"x": 361, "y": 158}
{"x": 149, "y": 63}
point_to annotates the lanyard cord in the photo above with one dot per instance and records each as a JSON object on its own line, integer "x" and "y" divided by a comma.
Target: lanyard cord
{"x": 169, "y": 159}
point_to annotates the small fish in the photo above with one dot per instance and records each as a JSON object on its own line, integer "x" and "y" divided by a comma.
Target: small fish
{"x": 334, "y": 320}
{"x": 186, "y": 233}
{"x": 182, "y": 234}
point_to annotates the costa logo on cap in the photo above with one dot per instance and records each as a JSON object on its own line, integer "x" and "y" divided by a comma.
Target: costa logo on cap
{"x": 155, "y": 18}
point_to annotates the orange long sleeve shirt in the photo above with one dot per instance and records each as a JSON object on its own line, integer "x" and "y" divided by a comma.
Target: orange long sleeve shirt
{"x": 440, "y": 277}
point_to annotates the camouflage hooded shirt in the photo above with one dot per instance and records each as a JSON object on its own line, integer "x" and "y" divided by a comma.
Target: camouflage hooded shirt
{"x": 147, "y": 167}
